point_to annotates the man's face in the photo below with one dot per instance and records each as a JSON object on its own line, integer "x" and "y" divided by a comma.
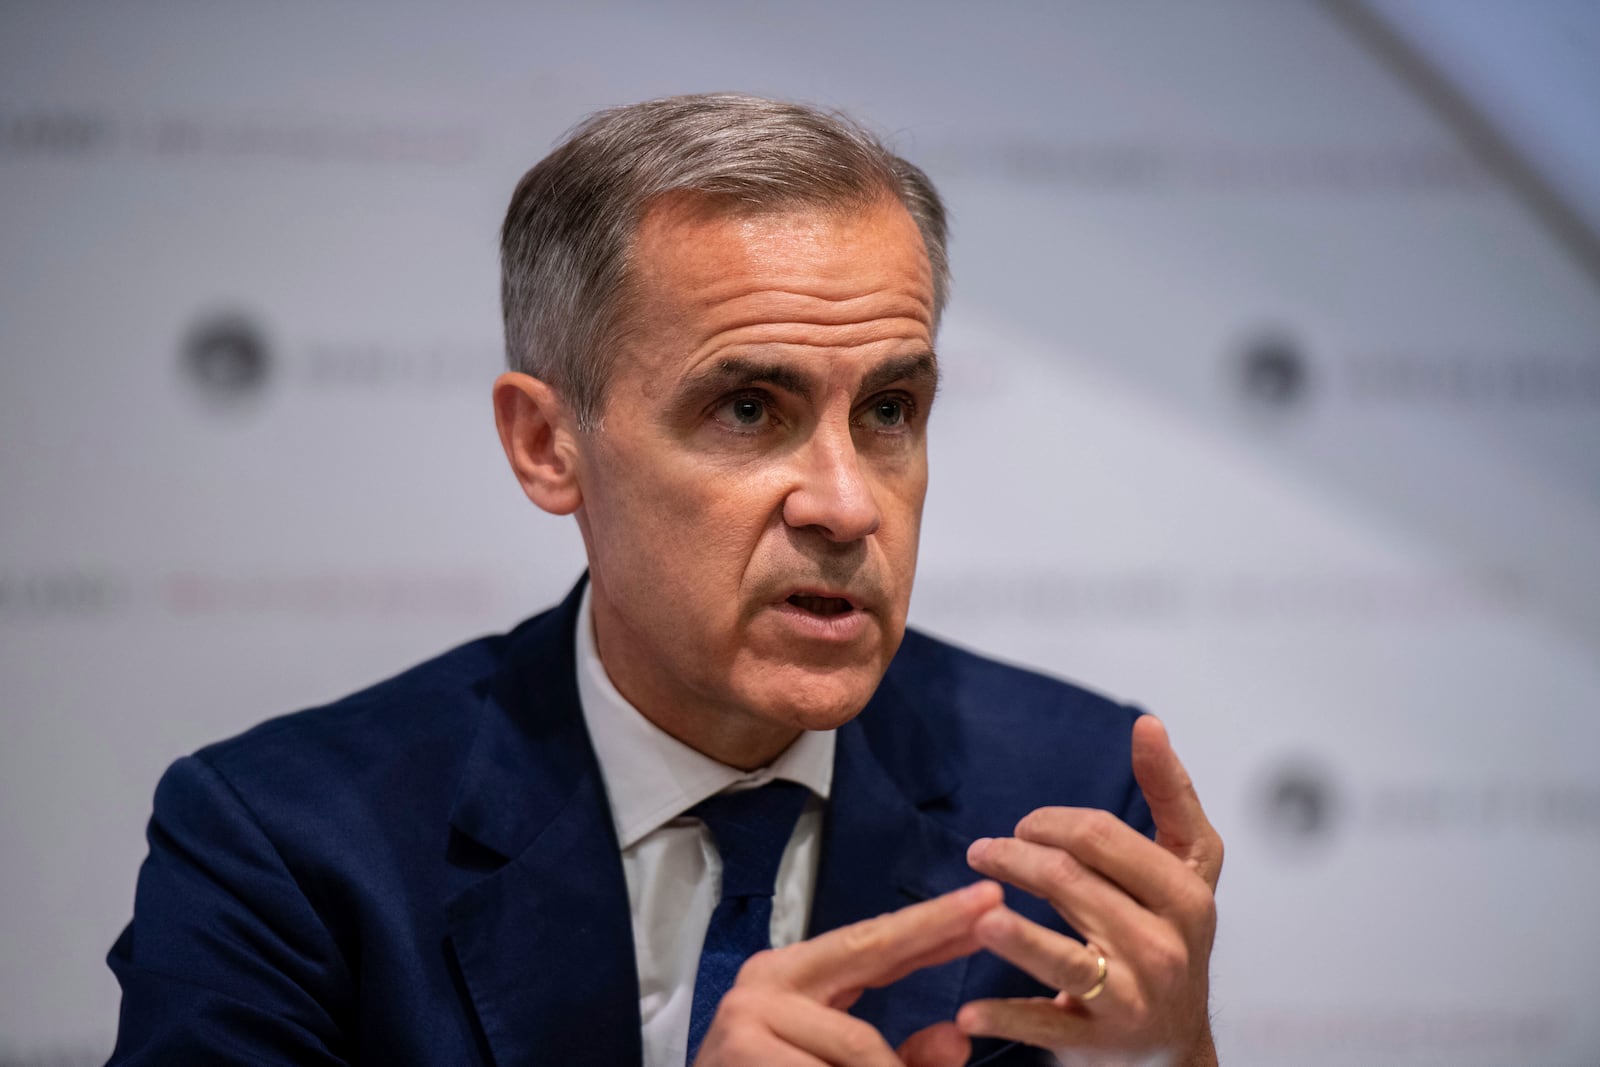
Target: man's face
{"x": 752, "y": 498}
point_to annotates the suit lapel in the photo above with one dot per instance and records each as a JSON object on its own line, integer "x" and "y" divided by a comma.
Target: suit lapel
{"x": 542, "y": 930}
{"x": 544, "y": 938}
{"x": 883, "y": 851}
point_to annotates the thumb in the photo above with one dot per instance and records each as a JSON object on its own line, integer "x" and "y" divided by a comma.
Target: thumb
{"x": 940, "y": 1045}
{"x": 1181, "y": 824}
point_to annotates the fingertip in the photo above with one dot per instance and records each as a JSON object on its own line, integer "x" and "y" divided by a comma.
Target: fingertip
{"x": 1151, "y": 726}
{"x": 1153, "y": 754}
{"x": 940, "y": 1045}
{"x": 986, "y": 893}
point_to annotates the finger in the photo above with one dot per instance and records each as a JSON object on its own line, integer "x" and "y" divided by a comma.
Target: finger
{"x": 767, "y": 1049}
{"x": 940, "y": 1045}
{"x": 744, "y": 1037}
{"x": 1083, "y": 896}
{"x": 1036, "y": 1021}
{"x": 1148, "y": 872}
{"x": 831, "y": 1036}
{"x": 843, "y": 997}
{"x": 878, "y": 951}
{"x": 1054, "y": 959}
{"x": 1181, "y": 824}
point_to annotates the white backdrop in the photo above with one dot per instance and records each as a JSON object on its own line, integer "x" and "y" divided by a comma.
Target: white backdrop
{"x": 1266, "y": 408}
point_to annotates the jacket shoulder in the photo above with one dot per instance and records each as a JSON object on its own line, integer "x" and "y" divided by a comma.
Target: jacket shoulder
{"x": 1015, "y": 738}
{"x": 421, "y": 705}
{"x": 366, "y": 773}
{"x": 967, "y": 683}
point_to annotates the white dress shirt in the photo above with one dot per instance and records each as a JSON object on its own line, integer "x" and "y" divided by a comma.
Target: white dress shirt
{"x": 670, "y": 862}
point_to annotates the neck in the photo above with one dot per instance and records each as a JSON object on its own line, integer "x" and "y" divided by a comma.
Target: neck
{"x": 737, "y": 741}
{"x": 730, "y": 735}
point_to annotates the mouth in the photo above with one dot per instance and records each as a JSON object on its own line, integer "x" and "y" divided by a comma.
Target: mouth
{"x": 821, "y": 605}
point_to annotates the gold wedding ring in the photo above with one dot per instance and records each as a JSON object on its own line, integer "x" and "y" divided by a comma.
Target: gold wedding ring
{"x": 1099, "y": 977}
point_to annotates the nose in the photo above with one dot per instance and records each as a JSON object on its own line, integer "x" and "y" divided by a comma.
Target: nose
{"x": 831, "y": 495}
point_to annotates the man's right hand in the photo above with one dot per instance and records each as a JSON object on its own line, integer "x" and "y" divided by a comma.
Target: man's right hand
{"x": 788, "y": 1005}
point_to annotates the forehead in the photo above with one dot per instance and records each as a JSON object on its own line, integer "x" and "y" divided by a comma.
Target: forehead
{"x": 705, "y": 277}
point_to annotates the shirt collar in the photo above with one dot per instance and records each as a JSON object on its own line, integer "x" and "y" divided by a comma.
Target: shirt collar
{"x": 651, "y": 777}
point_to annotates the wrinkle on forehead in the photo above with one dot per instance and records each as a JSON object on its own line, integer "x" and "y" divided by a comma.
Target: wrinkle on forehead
{"x": 823, "y": 273}
{"x": 853, "y": 286}
{"x": 817, "y": 306}
{"x": 800, "y": 334}
{"x": 816, "y": 254}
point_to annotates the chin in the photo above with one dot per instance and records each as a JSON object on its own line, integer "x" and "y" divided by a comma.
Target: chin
{"x": 819, "y": 702}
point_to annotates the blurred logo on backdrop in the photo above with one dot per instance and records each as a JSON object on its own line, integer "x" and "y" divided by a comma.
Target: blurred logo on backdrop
{"x": 1273, "y": 372}
{"x": 226, "y": 357}
{"x": 72, "y": 132}
{"x": 230, "y": 361}
{"x": 1521, "y": 379}
{"x": 1053, "y": 595}
{"x": 1299, "y": 805}
{"x": 54, "y": 133}
{"x": 1133, "y": 164}
{"x": 61, "y": 593}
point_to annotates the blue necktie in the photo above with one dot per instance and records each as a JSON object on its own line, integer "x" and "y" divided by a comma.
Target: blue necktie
{"x": 751, "y": 829}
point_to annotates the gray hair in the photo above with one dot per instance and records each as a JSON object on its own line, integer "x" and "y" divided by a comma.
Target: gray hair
{"x": 570, "y": 229}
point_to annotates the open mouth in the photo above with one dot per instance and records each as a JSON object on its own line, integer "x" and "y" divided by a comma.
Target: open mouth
{"x": 826, "y": 606}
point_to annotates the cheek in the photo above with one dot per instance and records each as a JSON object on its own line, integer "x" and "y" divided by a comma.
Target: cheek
{"x": 903, "y": 498}
{"x": 900, "y": 539}
{"x": 691, "y": 530}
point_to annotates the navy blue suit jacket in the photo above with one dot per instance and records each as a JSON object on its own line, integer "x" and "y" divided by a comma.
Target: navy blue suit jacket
{"x": 426, "y": 872}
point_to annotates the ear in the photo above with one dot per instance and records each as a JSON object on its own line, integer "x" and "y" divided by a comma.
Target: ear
{"x": 537, "y": 431}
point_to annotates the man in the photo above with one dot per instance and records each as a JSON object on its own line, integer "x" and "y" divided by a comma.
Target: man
{"x": 721, "y": 313}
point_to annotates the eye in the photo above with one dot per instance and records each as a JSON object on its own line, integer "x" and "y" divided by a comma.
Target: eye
{"x": 746, "y": 412}
{"x": 889, "y": 412}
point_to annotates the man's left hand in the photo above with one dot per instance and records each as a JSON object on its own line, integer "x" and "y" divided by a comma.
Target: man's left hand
{"x": 1147, "y": 907}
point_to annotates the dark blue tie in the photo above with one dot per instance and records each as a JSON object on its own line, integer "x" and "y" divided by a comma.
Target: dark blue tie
{"x": 751, "y": 829}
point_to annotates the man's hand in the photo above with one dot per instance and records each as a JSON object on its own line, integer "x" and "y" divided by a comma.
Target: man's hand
{"x": 788, "y": 1005}
{"x": 1146, "y": 906}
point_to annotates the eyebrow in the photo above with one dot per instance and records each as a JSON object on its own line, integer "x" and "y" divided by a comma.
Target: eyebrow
{"x": 735, "y": 371}
{"x": 920, "y": 366}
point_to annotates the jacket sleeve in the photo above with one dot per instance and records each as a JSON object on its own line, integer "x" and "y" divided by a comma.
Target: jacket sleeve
{"x": 226, "y": 960}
